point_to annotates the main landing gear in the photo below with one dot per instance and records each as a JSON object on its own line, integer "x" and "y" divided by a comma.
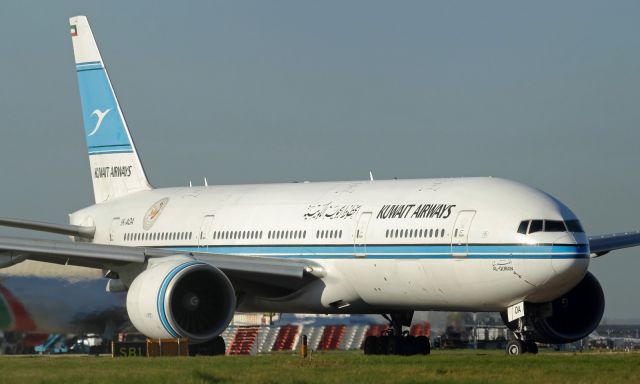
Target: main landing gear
{"x": 395, "y": 342}
{"x": 521, "y": 344}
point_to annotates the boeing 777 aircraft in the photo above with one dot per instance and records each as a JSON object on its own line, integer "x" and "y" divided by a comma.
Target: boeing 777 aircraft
{"x": 189, "y": 257}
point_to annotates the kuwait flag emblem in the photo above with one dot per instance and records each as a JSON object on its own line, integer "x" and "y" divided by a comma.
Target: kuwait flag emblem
{"x": 74, "y": 31}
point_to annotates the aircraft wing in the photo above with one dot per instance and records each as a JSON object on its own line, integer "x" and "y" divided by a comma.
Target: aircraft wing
{"x": 241, "y": 269}
{"x": 602, "y": 244}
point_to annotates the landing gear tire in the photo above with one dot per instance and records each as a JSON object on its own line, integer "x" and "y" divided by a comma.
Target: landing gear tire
{"x": 370, "y": 345}
{"x": 515, "y": 347}
{"x": 382, "y": 345}
{"x": 394, "y": 345}
{"x": 423, "y": 345}
{"x": 397, "y": 345}
{"x": 212, "y": 347}
{"x": 531, "y": 346}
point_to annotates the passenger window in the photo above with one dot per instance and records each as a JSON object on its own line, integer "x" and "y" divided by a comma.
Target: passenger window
{"x": 554, "y": 226}
{"x": 431, "y": 232}
{"x": 442, "y": 232}
{"x": 535, "y": 226}
{"x": 522, "y": 228}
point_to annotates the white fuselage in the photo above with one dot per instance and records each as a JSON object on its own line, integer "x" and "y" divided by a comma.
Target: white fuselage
{"x": 427, "y": 244}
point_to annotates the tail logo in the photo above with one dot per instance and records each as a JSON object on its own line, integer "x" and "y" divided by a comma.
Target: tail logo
{"x": 101, "y": 116}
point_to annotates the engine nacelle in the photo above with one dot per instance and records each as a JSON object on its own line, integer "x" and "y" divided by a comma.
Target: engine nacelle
{"x": 566, "y": 319}
{"x": 181, "y": 298}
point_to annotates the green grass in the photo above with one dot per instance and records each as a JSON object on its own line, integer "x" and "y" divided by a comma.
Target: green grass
{"x": 334, "y": 367}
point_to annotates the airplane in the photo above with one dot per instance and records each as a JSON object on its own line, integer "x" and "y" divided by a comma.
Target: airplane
{"x": 189, "y": 257}
{"x": 38, "y": 299}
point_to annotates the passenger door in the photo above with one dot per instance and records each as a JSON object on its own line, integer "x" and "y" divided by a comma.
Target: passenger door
{"x": 460, "y": 234}
{"x": 204, "y": 237}
{"x": 360, "y": 235}
{"x": 114, "y": 229}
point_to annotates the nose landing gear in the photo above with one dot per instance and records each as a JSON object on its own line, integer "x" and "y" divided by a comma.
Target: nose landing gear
{"x": 395, "y": 342}
{"x": 522, "y": 344}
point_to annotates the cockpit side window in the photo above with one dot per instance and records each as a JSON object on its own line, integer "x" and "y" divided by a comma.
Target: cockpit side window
{"x": 536, "y": 226}
{"x": 574, "y": 226}
{"x": 523, "y": 227}
{"x": 554, "y": 226}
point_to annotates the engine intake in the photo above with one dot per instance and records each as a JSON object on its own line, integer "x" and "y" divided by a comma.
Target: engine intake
{"x": 566, "y": 319}
{"x": 181, "y": 298}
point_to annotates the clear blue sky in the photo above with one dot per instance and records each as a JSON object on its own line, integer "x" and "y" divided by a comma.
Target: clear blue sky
{"x": 240, "y": 92}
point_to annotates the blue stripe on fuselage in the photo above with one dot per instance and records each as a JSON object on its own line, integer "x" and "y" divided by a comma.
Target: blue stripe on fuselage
{"x": 403, "y": 251}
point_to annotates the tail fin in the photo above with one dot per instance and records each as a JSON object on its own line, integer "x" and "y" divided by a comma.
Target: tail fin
{"x": 116, "y": 169}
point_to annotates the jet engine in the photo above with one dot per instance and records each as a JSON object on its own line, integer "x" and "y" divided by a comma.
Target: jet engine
{"x": 566, "y": 319}
{"x": 181, "y": 298}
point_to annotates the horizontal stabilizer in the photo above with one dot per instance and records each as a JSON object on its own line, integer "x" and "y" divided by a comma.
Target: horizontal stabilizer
{"x": 62, "y": 229}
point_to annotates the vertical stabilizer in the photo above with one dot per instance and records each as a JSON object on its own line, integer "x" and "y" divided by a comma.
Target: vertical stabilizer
{"x": 116, "y": 169}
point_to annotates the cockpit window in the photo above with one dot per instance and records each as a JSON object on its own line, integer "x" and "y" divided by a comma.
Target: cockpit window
{"x": 536, "y": 226}
{"x": 574, "y": 226}
{"x": 523, "y": 227}
{"x": 533, "y": 226}
{"x": 554, "y": 226}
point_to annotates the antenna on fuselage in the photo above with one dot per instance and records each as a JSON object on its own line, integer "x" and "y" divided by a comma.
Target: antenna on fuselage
{"x": 370, "y": 176}
{"x": 205, "y": 182}
{"x": 190, "y": 184}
